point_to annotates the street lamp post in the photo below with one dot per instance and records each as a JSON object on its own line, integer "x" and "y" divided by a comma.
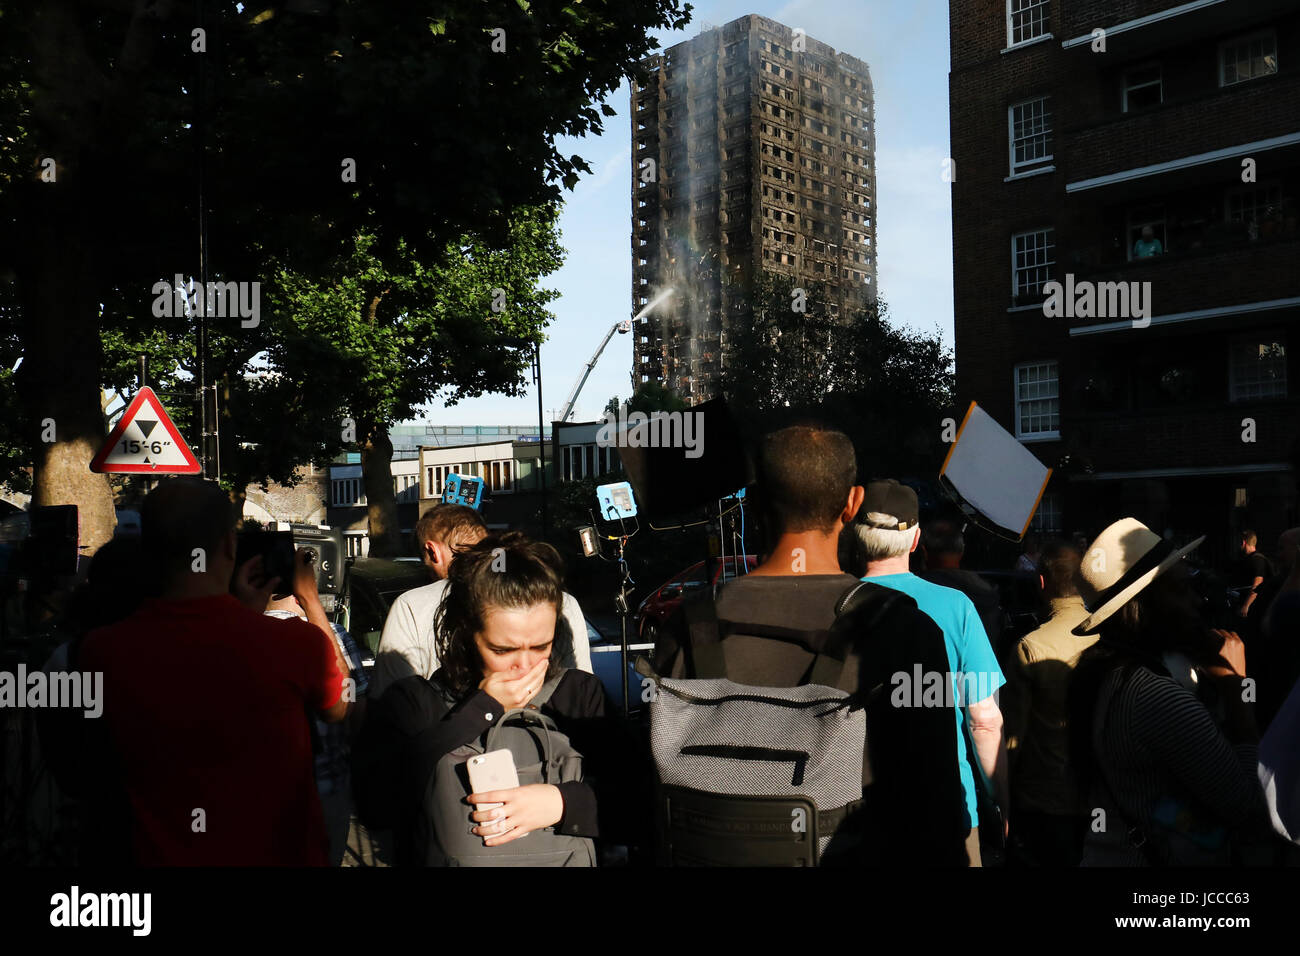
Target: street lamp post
{"x": 541, "y": 432}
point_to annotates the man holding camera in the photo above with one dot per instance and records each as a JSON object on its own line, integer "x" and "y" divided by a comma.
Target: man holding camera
{"x": 206, "y": 699}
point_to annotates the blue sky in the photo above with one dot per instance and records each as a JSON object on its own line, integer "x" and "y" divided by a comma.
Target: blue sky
{"x": 905, "y": 45}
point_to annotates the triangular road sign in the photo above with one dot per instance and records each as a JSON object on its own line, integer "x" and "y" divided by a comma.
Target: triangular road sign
{"x": 138, "y": 446}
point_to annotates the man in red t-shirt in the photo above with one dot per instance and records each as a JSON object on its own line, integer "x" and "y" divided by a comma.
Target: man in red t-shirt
{"x": 206, "y": 700}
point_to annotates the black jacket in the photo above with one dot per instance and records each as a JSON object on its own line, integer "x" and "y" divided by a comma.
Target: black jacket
{"x": 410, "y": 728}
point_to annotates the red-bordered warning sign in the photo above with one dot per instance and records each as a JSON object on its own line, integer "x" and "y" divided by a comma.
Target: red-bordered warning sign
{"x": 145, "y": 441}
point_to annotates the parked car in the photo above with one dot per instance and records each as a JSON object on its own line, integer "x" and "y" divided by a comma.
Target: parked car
{"x": 606, "y": 655}
{"x": 371, "y": 585}
{"x": 663, "y": 600}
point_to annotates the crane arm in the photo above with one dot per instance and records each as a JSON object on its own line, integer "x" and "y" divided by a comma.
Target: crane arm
{"x": 624, "y": 325}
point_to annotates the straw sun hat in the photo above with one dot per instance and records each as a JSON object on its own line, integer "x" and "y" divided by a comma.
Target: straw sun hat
{"x": 1124, "y": 559}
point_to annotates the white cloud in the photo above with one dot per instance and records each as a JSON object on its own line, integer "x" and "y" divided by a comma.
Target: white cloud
{"x": 617, "y": 165}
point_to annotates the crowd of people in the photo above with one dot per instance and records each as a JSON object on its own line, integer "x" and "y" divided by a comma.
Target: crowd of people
{"x": 239, "y": 726}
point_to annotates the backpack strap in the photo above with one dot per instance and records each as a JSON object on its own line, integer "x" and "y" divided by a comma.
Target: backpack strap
{"x": 828, "y": 666}
{"x": 547, "y": 689}
{"x": 704, "y": 632}
{"x": 703, "y": 648}
{"x": 530, "y": 715}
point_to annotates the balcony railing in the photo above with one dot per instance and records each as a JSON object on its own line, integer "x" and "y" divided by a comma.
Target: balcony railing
{"x": 1179, "y": 437}
{"x": 1245, "y": 269}
{"x": 1198, "y": 239}
{"x": 1093, "y": 148}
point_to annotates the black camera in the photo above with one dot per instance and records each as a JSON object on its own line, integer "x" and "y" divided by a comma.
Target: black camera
{"x": 276, "y": 551}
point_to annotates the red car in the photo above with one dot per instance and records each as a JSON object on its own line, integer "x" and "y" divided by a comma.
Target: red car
{"x": 663, "y": 600}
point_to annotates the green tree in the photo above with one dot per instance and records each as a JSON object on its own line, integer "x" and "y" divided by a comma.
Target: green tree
{"x": 383, "y": 337}
{"x": 313, "y": 123}
{"x": 887, "y": 387}
{"x": 653, "y": 397}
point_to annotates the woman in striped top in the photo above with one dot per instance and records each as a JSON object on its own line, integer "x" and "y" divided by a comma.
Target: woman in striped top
{"x": 1169, "y": 783}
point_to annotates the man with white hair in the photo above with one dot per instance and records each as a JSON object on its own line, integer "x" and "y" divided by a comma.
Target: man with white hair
{"x": 888, "y": 531}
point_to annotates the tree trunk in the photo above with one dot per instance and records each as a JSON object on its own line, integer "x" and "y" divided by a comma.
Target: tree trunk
{"x": 238, "y": 497}
{"x": 377, "y": 474}
{"x": 60, "y": 282}
{"x": 59, "y": 377}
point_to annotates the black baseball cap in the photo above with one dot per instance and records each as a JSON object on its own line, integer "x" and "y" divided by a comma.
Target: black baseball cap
{"x": 888, "y": 497}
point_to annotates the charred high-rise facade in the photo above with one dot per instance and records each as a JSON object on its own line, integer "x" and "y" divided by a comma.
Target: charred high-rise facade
{"x": 753, "y": 149}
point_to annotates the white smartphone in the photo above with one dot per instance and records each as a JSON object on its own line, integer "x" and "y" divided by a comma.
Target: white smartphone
{"x": 494, "y": 770}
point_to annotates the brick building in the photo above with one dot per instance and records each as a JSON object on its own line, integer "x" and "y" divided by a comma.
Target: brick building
{"x": 1148, "y": 153}
{"x": 511, "y": 473}
{"x": 753, "y": 149}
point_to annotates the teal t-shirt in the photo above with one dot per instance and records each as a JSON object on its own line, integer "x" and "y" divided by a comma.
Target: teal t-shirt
{"x": 975, "y": 673}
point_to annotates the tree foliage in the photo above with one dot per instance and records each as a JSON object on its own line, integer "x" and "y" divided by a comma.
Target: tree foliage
{"x": 888, "y": 387}
{"x": 318, "y": 125}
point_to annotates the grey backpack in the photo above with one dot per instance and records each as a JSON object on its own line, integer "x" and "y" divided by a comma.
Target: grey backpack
{"x": 759, "y": 776}
{"x": 542, "y": 755}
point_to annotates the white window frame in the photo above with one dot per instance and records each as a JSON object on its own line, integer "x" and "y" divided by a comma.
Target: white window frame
{"x": 347, "y": 492}
{"x": 1015, "y": 278}
{"x": 1238, "y": 41}
{"x": 1049, "y": 504}
{"x": 1234, "y": 383}
{"x": 1026, "y": 165}
{"x": 1126, "y": 87}
{"x": 1025, "y": 7}
{"x": 1047, "y": 435}
{"x": 502, "y": 475}
{"x": 1258, "y": 188}
{"x": 356, "y": 543}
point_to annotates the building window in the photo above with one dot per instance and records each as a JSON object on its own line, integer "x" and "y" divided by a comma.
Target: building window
{"x": 1038, "y": 404}
{"x": 500, "y": 476}
{"x": 406, "y": 488}
{"x": 438, "y": 479}
{"x": 1254, "y": 204}
{"x": 346, "y": 492}
{"x": 357, "y": 543}
{"x": 429, "y": 475}
{"x": 1032, "y": 256}
{"x": 1142, "y": 87}
{"x": 1247, "y": 58}
{"x": 1141, "y": 244}
{"x": 1047, "y": 519}
{"x": 1026, "y": 20}
{"x": 1030, "y": 124}
{"x": 1257, "y": 369}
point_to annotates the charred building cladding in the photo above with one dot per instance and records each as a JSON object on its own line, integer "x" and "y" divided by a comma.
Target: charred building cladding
{"x": 1148, "y": 148}
{"x": 753, "y": 149}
